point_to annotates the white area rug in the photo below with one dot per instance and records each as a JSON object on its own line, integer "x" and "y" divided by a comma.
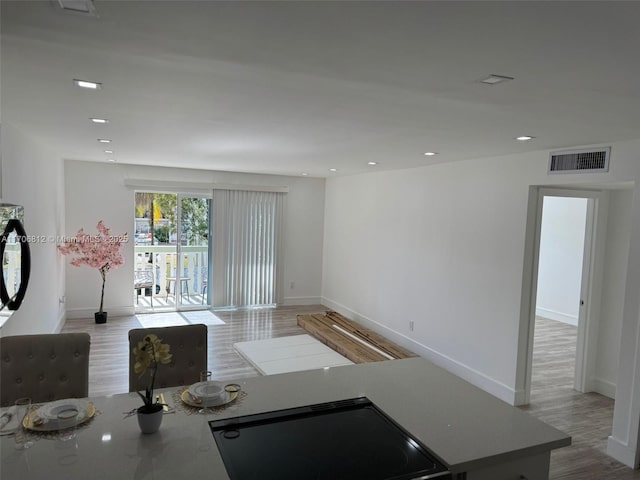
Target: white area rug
{"x": 172, "y": 319}
{"x": 289, "y": 354}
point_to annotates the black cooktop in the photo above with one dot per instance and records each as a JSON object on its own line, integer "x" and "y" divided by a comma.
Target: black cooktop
{"x": 350, "y": 439}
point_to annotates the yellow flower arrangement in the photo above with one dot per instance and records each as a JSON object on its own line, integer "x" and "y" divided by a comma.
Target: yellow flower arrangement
{"x": 150, "y": 353}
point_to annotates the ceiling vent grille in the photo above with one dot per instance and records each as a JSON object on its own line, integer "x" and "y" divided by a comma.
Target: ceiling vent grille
{"x": 77, "y": 7}
{"x": 592, "y": 160}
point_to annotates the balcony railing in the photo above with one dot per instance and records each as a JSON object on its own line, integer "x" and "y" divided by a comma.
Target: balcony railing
{"x": 161, "y": 264}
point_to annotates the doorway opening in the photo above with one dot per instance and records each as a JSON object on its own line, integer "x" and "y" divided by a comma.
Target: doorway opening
{"x": 171, "y": 252}
{"x": 562, "y": 264}
{"x": 563, "y": 267}
{"x": 598, "y": 338}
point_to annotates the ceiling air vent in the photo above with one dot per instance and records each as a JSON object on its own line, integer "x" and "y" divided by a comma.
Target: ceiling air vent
{"x": 592, "y": 160}
{"x": 78, "y": 7}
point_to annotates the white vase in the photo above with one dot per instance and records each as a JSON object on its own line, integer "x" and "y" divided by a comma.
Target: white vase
{"x": 150, "y": 422}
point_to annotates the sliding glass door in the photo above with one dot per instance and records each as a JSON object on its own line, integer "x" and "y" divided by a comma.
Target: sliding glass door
{"x": 192, "y": 276}
{"x": 174, "y": 265}
{"x": 172, "y": 245}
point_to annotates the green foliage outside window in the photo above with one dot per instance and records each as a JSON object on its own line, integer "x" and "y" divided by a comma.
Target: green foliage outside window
{"x": 195, "y": 218}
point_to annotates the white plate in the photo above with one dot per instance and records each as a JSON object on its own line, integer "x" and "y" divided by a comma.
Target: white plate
{"x": 61, "y": 414}
{"x": 210, "y": 393}
{"x": 227, "y": 397}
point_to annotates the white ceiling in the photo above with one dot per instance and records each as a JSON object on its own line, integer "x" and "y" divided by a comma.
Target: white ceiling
{"x": 292, "y": 87}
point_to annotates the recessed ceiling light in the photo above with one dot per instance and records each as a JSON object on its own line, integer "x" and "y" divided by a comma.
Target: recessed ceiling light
{"x": 104, "y": 140}
{"x": 113, "y": 160}
{"x": 372, "y": 163}
{"x": 108, "y": 151}
{"x": 333, "y": 169}
{"x": 430, "y": 154}
{"x": 304, "y": 174}
{"x": 99, "y": 120}
{"x": 494, "y": 79}
{"x": 87, "y": 84}
{"x": 524, "y": 138}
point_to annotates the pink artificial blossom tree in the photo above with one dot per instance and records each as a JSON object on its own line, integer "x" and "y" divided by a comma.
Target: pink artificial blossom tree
{"x": 100, "y": 251}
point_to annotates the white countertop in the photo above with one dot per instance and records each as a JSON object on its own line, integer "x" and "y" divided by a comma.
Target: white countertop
{"x": 464, "y": 426}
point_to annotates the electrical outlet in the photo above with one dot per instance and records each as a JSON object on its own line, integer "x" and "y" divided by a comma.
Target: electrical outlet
{"x": 292, "y": 285}
{"x": 62, "y": 299}
{"x": 411, "y": 325}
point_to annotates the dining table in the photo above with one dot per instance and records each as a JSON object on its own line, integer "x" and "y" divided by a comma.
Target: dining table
{"x": 476, "y": 435}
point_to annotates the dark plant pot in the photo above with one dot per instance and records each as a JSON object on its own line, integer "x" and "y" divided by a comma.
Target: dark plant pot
{"x": 149, "y": 420}
{"x": 101, "y": 317}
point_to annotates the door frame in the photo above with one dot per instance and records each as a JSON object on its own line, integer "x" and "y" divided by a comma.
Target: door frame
{"x": 590, "y": 291}
{"x": 179, "y": 271}
{"x": 178, "y": 251}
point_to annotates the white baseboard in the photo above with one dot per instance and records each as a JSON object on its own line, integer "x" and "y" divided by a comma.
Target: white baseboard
{"x": 621, "y": 452}
{"x": 301, "y": 301}
{"x": 604, "y": 387}
{"x": 558, "y": 316}
{"x": 61, "y": 319}
{"x": 56, "y": 329}
{"x": 479, "y": 379}
{"x": 74, "y": 313}
{"x": 520, "y": 398}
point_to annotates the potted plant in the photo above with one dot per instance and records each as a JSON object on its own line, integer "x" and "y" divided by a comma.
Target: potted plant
{"x": 101, "y": 251}
{"x": 149, "y": 353}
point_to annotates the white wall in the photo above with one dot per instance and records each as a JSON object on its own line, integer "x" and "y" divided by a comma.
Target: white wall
{"x": 443, "y": 246}
{"x": 614, "y": 278}
{"x": 623, "y": 441}
{"x": 32, "y": 177}
{"x": 303, "y": 241}
{"x": 96, "y": 191}
{"x": 561, "y": 256}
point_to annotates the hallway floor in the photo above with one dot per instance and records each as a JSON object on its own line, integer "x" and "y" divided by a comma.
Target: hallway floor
{"x": 586, "y": 417}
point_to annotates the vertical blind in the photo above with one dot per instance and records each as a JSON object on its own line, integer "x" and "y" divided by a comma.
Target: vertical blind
{"x": 247, "y": 258}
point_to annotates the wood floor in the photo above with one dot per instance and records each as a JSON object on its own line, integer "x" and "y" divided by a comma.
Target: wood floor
{"x": 586, "y": 417}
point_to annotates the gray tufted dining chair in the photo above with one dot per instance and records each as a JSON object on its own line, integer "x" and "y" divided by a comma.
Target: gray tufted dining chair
{"x": 189, "y": 355}
{"x": 44, "y": 367}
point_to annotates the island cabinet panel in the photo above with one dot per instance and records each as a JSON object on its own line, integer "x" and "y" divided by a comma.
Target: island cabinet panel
{"x": 477, "y": 436}
{"x": 535, "y": 467}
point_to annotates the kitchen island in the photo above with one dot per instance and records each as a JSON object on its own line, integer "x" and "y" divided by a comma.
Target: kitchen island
{"x": 476, "y": 435}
